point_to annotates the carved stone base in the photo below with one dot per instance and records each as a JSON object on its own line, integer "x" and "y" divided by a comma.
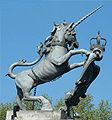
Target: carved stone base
{"x": 36, "y": 115}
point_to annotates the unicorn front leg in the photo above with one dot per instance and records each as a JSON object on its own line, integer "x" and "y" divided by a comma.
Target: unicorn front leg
{"x": 81, "y": 51}
{"x": 75, "y": 65}
{"x": 67, "y": 56}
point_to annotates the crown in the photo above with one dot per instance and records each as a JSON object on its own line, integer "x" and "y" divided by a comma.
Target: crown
{"x": 98, "y": 42}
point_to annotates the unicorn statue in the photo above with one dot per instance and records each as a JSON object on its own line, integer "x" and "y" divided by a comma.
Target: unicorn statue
{"x": 57, "y": 50}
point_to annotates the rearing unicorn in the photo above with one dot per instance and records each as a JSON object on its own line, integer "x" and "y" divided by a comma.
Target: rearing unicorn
{"x": 57, "y": 49}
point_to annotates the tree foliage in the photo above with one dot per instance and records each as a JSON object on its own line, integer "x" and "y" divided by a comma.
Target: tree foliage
{"x": 86, "y": 109}
{"x": 3, "y": 109}
{"x": 104, "y": 111}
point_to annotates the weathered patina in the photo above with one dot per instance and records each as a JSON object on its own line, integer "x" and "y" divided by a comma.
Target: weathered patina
{"x": 57, "y": 49}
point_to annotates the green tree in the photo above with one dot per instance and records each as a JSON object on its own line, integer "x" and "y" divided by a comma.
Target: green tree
{"x": 28, "y": 104}
{"x": 88, "y": 111}
{"x": 85, "y": 108}
{"x": 59, "y": 104}
{"x": 3, "y": 109}
{"x": 104, "y": 111}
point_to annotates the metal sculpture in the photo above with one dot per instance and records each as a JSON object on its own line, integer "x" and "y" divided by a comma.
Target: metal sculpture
{"x": 57, "y": 49}
{"x": 89, "y": 73}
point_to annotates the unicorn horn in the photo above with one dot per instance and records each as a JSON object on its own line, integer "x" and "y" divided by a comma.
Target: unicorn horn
{"x": 86, "y": 16}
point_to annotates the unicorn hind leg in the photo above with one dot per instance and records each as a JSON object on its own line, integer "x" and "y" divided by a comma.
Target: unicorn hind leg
{"x": 19, "y": 98}
{"x": 18, "y": 105}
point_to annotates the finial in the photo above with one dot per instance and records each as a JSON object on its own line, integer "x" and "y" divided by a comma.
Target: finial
{"x": 98, "y": 32}
{"x": 98, "y": 37}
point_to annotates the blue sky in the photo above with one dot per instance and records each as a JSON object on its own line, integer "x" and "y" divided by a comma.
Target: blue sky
{"x": 26, "y": 23}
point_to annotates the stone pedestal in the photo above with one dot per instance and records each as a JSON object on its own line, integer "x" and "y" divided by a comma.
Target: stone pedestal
{"x": 35, "y": 115}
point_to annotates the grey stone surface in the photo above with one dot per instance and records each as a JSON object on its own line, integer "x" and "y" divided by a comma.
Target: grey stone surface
{"x": 35, "y": 115}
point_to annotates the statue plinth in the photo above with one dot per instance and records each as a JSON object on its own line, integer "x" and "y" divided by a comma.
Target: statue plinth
{"x": 36, "y": 115}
